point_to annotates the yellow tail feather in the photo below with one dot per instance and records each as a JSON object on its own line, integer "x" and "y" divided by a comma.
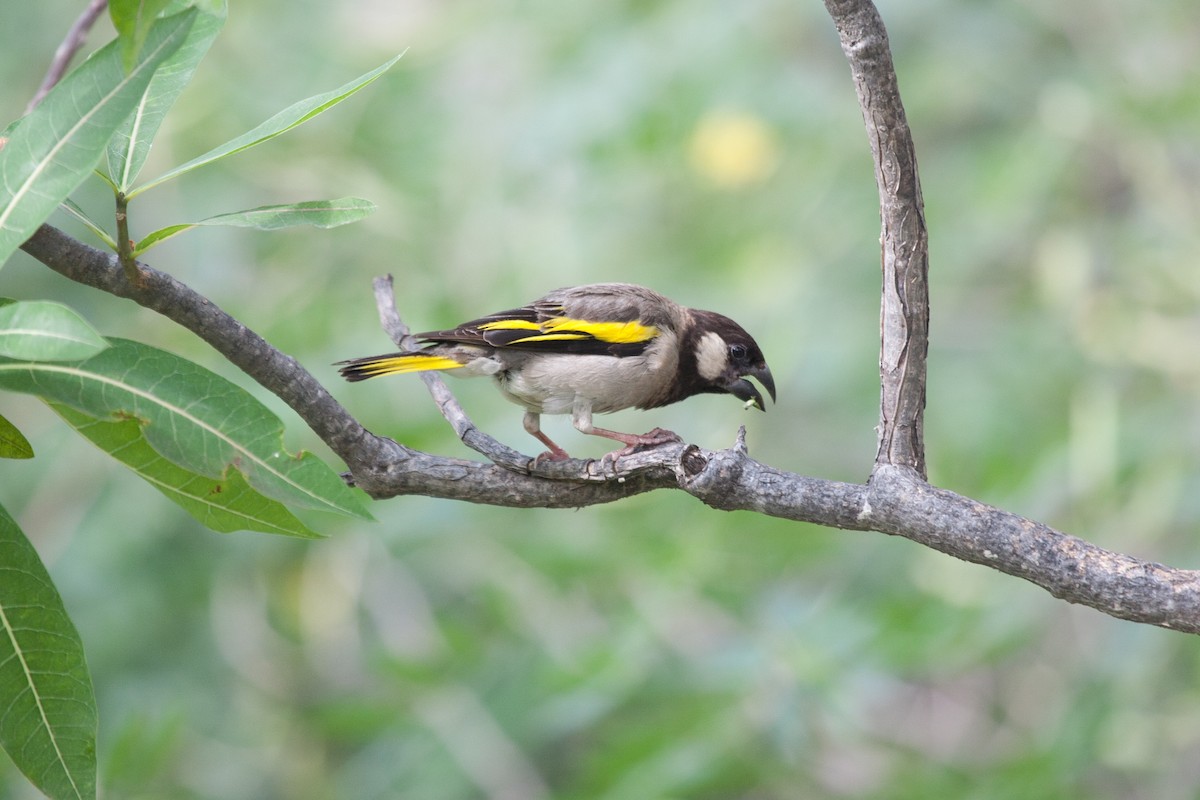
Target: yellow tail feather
{"x": 363, "y": 368}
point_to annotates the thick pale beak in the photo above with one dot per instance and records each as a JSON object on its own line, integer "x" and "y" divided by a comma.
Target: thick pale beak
{"x": 745, "y": 390}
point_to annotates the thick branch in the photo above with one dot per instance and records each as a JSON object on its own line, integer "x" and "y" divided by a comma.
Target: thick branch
{"x": 160, "y": 292}
{"x": 1067, "y": 567}
{"x": 895, "y": 501}
{"x": 904, "y": 312}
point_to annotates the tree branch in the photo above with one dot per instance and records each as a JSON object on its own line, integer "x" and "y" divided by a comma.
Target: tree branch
{"x": 472, "y": 437}
{"x": 896, "y": 500}
{"x": 904, "y": 312}
{"x": 160, "y": 292}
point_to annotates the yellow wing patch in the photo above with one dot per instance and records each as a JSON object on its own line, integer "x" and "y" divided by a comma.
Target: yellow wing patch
{"x": 510, "y": 325}
{"x": 616, "y": 332}
{"x": 565, "y": 328}
{"x": 550, "y": 337}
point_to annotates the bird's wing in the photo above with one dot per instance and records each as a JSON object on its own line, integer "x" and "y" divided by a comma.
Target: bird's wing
{"x": 474, "y": 332}
{"x": 583, "y": 321}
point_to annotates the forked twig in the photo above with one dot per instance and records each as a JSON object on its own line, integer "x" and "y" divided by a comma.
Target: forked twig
{"x": 495, "y": 451}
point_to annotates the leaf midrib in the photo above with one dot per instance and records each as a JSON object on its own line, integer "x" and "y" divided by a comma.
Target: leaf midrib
{"x": 37, "y": 697}
{"x": 42, "y": 333}
{"x": 200, "y": 423}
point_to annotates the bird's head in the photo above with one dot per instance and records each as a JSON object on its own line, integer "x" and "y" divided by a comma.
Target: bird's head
{"x": 723, "y": 357}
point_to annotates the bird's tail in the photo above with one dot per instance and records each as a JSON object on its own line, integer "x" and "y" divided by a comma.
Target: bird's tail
{"x": 359, "y": 369}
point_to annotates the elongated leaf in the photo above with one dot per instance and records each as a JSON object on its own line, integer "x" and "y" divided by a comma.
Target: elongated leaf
{"x": 47, "y": 708}
{"x": 281, "y": 123}
{"x": 59, "y": 143}
{"x": 74, "y": 210}
{"x": 223, "y": 504}
{"x": 130, "y": 145}
{"x": 39, "y": 330}
{"x": 132, "y": 19}
{"x": 13, "y": 443}
{"x": 194, "y": 417}
{"x": 318, "y": 213}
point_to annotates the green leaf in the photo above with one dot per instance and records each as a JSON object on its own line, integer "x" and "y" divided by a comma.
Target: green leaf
{"x": 319, "y": 213}
{"x": 132, "y": 19}
{"x": 13, "y": 443}
{"x": 60, "y": 142}
{"x": 39, "y": 330}
{"x": 47, "y": 708}
{"x": 129, "y": 147}
{"x": 223, "y": 504}
{"x": 281, "y": 123}
{"x": 72, "y": 208}
{"x": 194, "y": 417}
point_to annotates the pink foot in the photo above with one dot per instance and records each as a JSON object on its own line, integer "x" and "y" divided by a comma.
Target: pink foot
{"x": 552, "y": 455}
{"x": 652, "y": 439}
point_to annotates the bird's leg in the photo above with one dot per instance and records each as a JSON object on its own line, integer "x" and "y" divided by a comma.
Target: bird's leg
{"x": 533, "y": 425}
{"x": 581, "y": 418}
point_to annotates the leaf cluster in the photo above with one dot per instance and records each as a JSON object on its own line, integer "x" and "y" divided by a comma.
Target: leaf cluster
{"x": 202, "y": 441}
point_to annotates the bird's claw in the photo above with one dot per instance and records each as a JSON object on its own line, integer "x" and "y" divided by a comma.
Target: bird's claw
{"x": 551, "y": 455}
{"x": 654, "y": 438}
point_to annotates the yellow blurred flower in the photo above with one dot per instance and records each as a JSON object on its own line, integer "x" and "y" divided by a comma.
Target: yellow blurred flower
{"x": 733, "y": 149}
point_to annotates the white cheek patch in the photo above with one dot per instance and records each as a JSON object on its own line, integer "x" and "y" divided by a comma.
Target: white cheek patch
{"x": 711, "y": 357}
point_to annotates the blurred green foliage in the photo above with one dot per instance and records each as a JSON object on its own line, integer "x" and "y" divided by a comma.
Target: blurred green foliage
{"x": 656, "y": 648}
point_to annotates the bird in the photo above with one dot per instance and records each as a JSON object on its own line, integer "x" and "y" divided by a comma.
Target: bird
{"x": 588, "y": 350}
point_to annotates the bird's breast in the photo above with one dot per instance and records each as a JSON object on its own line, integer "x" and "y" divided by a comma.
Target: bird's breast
{"x": 550, "y": 384}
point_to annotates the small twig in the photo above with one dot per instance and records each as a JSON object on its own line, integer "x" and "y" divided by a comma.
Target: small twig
{"x": 739, "y": 444}
{"x": 74, "y": 40}
{"x": 389, "y": 317}
{"x": 447, "y": 403}
{"x": 125, "y": 244}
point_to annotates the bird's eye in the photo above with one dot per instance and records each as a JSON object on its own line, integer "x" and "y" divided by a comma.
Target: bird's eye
{"x": 738, "y": 352}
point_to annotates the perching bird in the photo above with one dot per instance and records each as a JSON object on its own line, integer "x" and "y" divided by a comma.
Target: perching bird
{"x": 592, "y": 350}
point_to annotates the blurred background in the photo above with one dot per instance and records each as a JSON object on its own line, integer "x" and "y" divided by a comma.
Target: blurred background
{"x": 656, "y": 648}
